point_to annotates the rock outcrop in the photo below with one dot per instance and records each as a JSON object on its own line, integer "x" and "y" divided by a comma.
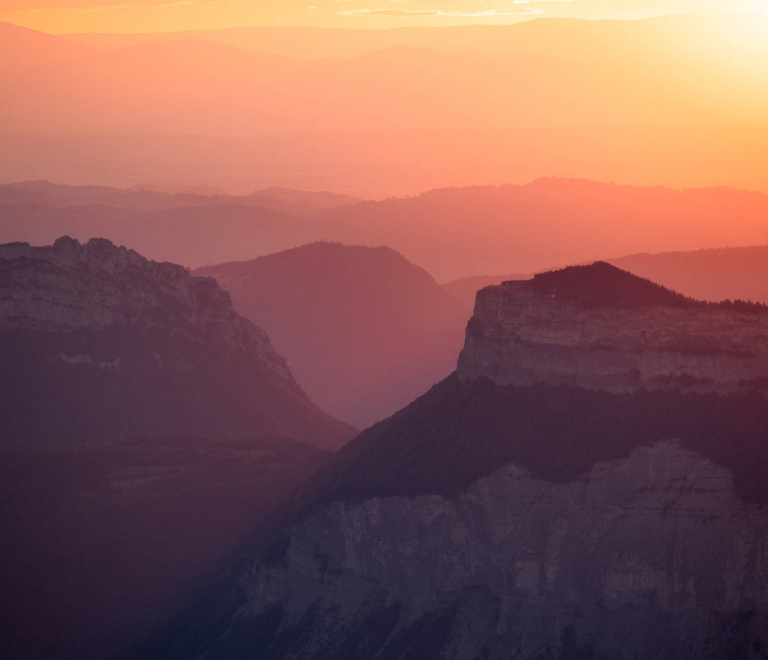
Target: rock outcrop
{"x": 525, "y": 331}
{"x": 99, "y": 343}
{"x": 651, "y": 556}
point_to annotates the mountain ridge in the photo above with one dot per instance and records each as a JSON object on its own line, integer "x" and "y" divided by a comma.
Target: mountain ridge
{"x": 114, "y": 345}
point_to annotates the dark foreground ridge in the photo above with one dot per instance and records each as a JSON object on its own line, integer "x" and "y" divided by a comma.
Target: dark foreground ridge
{"x": 460, "y": 431}
{"x": 603, "y": 285}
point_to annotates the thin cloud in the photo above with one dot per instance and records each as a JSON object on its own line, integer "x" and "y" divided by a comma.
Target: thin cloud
{"x": 437, "y": 12}
{"x": 136, "y": 5}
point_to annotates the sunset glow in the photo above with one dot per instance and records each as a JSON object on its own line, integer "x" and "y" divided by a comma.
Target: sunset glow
{"x": 121, "y": 16}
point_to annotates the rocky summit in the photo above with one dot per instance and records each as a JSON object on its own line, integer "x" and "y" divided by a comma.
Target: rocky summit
{"x": 506, "y": 514}
{"x": 99, "y": 343}
{"x": 600, "y": 327}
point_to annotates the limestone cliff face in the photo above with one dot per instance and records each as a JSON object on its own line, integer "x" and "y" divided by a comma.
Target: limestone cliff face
{"x": 651, "y": 556}
{"x": 69, "y": 286}
{"x": 521, "y": 335}
{"x": 101, "y": 343}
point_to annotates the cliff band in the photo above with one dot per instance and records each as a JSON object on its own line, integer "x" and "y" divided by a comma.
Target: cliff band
{"x": 524, "y": 332}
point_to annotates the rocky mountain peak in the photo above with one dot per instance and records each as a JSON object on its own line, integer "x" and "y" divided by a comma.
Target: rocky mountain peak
{"x": 600, "y": 327}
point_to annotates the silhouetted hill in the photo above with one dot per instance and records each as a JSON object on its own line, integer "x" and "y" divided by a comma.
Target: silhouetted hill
{"x": 604, "y": 285}
{"x": 100, "y": 344}
{"x": 363, "y": 330}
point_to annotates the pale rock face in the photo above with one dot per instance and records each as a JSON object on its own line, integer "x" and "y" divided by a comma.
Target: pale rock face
{"x": 643, "y": 557}
{"x": 69, "y": 286}
{"x": 520, "y": 336}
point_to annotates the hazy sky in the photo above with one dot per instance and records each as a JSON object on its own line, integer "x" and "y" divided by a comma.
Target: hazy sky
{"x": 58, "y": 16}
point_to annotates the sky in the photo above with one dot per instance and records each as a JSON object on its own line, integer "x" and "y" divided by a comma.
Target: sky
{"x": 127, "y": 16}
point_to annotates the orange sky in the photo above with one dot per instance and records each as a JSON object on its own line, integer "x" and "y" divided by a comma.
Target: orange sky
{"x": 62, "y": 16}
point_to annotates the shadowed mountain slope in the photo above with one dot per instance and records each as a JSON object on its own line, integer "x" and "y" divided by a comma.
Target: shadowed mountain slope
{"x": 364, "y": 330}
{"x": 96, "y": 539}
{"x": 100, "y": 344}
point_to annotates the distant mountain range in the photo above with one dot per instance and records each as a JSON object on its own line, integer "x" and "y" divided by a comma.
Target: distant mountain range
{"x": 560, "y": 36}
{"x": 159, "y": 197}
{"x": 452, "y": 233}
{"x": 739, "y": 273}
{"x": 126, "y": 90}
{"x": 296, "y": 202}
{"x": 391, "y": 114}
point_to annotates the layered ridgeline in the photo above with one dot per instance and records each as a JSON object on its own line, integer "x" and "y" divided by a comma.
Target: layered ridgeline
{"x": 492, "y": 520}
{"x": 99, "y": 343}
{"x": 452, "y": 232}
